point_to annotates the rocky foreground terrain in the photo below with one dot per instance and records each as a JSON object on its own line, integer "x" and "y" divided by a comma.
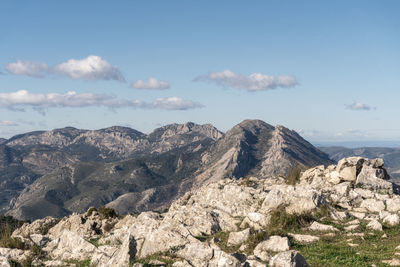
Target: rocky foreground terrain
{"x": 68, "y": 170}
{"x": 391, "y": 156}
{"x": 345, "y": 214}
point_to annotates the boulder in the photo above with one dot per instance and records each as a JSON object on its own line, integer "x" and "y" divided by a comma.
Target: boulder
{"x": 348, "y": 173}
{"x": 374, "y": 179}
{"x": 274, "y": 244}
{"x": 304, "y": 239}
{"x": 70, "y": 246}
{"x": 392, "y": 219}
{"x": 374, "y": 225}
{"x": 316, "y": 226}
{"x": 373, "y": 205}
{"x": 289, "y": 258}
{"x": 393, "y": 204}
{"x": 237, "y": 238}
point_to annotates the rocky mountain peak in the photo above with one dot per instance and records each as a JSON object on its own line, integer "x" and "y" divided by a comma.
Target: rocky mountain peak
{"x": 2, "y": 140}
{"x": 172, "y": 130}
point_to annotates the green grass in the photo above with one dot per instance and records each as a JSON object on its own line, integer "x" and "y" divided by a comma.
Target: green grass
{"x": 335, "y": 251}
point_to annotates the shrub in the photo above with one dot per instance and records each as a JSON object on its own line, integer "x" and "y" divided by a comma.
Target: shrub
{"x": 283, "y": 222}
{"x": 6, "y": 241}
{"x": 293, "y": 175}
{"x": 106, "y": 213}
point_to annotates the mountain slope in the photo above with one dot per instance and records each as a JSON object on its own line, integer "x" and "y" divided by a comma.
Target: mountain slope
{"x": 139, "y": 172}
{"x": 256, "y": 148}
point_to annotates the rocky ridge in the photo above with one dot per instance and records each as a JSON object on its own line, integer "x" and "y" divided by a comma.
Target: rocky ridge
{"x": 244, "y": 222}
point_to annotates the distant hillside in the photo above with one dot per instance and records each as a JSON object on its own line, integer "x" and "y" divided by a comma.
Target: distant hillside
{"x": 391, "y": 156}
{"x": 68, "y": 170}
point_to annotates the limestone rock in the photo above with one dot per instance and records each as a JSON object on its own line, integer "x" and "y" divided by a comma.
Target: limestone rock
{"x": 289, "y": 258}
{"x": 348, "y": 173}
{"x": 305, "y": 239}
{"x": 316, "y": 226}
{"x": 274, "y": 244}
{"x": 393, "y": 204}
{"x": 392, "y": 219}
{"x": 373, "y": 205}
{"x": 374, "y": 225}
{"x": 69, "y": 245}
{"x": 13, "y": 254}
{"x": 237, "y": 238}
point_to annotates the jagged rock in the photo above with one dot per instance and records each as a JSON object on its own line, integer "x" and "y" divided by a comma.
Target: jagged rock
{"x": 289, "y": 258}
{"x": 274, "y": 244}
{"x": 373, "y": 205}
{"x": 305, "y": 239}
{"x": 181, "y": 264}
{"x": 222, "y": 258}
{"x": 348, "y": 173}
{"x": 351, "y": 227}
{"x": 393, "y": 204}
{"x": 296, "y": 199}
{"x": 316, "y": 226}
{"x": 40, "y": 226}
{"x": 392, "y": 262}
{"x": 4, "y": 261}
{"x": 69, "y": 245}
{"x": 374, "y": 178}
{"x": 358, "y": 215}
{"x": 237, "y": 238}
{"x": 374, "y": 225}
{"x": 53, "y": 263}
{"x": 392, "y": 219}
{"x": 255, "y": 263}
{"x": 364, "y": 193}
{"x": 14, "y": 254}
{"x": 255, "y": 220}
{"x": 196, "y": 253}
{"x": 39, "y": 239}
{"x": 353, "y": 222}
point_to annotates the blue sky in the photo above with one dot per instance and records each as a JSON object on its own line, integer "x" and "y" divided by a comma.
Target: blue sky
{"x": 327, "y": 69}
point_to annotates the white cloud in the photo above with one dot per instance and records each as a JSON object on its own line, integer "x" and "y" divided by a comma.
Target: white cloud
{"x": 33, "y": 69}
{"x": 90, "y": 68}
{"x": 8, "y": 123}
{"x": 175, "y": 103}
{"x": 359, "y": 106}
{"x": 253, "y": 82}
{"x": 151, "y": 83}
{"x": 20, "y": 100}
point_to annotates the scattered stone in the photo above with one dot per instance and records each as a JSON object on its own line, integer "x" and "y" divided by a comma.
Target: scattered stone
{"x": 237, "y": 238}
{"x": 352, "y": 245}
{"x": 316, "y": 226}
{"x": 289, "y": 258}
{"x": 358, "y": 215}
{"x": 274, "y": 244}
{"x": 305, "y": 239}
{"x": 392, "y": 262}
{"x": 374, "y": 225}
{"x": 353, "y": 222}
{"x": 392, "y": 219}
{"x": 393, "y": 204}
{"x": 351, "y": 227}
{"x": 355, "y": 234}
{"x": 373, "y": 205}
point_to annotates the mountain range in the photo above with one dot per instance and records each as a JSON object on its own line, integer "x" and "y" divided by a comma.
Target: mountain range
{"x": 68, "y": 170}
